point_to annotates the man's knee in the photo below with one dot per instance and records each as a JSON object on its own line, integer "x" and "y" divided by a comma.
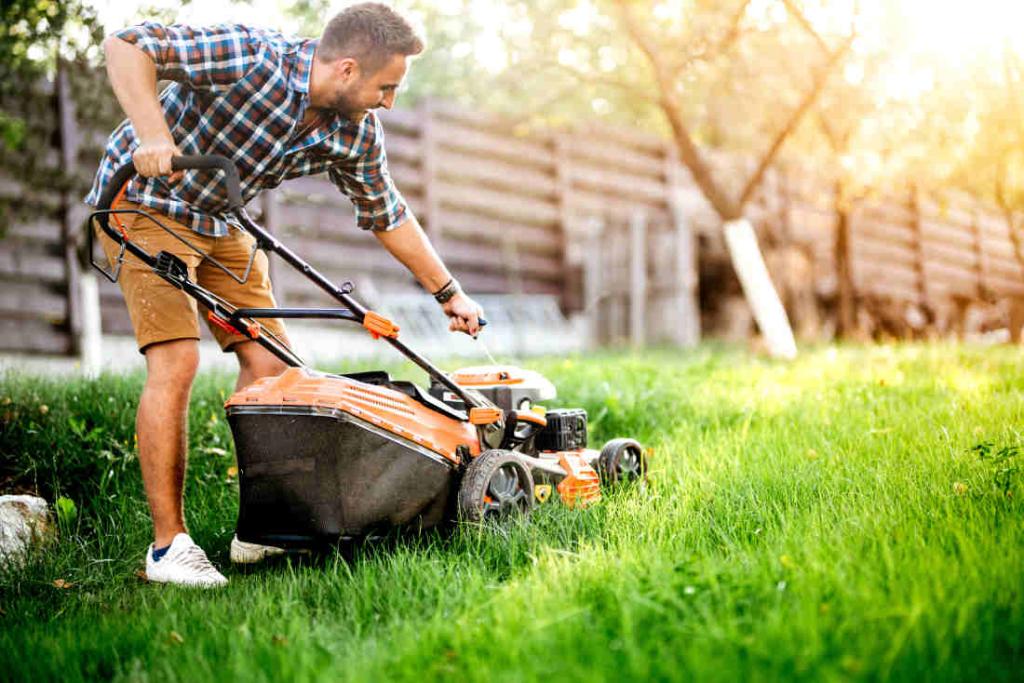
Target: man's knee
{"x": 173, "y": 362}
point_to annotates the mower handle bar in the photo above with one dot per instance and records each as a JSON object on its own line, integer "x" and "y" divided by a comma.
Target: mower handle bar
{"x": 214, "y": 162}
{"x": 221, "y": 163}
{"x": 185, "y": 163}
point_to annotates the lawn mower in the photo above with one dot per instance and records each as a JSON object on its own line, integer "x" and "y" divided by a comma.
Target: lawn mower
{"x": 325, "y": 457}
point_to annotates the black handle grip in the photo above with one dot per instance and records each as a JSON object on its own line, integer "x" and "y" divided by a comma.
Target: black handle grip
{"x": 182, "y": 163}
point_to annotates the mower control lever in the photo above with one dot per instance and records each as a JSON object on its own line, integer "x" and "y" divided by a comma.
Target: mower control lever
{"x": 214, "y": 162}
{"x": 182, "y": 163}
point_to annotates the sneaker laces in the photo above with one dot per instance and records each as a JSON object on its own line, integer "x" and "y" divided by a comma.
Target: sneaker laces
{"x": 193, "y": 557}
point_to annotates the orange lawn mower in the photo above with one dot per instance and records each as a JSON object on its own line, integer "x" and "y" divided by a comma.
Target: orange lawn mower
{"x": 325, "y": 457}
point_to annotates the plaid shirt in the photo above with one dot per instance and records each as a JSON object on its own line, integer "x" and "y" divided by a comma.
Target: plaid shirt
{"x": 242, "y": 93}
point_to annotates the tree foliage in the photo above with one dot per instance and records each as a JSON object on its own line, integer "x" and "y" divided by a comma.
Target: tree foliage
{"x": 36, "y": 35}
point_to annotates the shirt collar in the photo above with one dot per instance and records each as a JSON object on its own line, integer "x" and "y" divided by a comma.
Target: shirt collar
{"x": 302, "y": 65}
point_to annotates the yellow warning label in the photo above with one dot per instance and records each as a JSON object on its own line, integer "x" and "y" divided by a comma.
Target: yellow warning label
{"x": 542, "y": 492}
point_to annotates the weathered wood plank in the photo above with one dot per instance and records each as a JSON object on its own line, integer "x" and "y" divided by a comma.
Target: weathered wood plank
{"x": 936, "y": 271}
{"x": 620, "y": 186}
{"x": 41, "y": 231}
{"x": 879, "y": 276}
{"x": 1005, "y": 268}
{"x": 595, "y": 152}
{"x": 1005, "y": 285}
{"x": 584, "y": 203}
{"x": 961, "y": 236}
{"x": 33, "y": 336}
{"x": 27, "y": 299}
{"x": 489, "y": 145}
{"x": 900, "y": 235}
{"x": 490, "y": 257}
{"x": 882, "y": 252}
{"x": 999, "y": 249}
{"x": 407, "y": 121}
{"x": 479, "y": 282}
{"x": 499, "y": 174}
{"x": 495, "y": 204}
{"x": 886, "y": 213}
{"x": 33, "y": 264}
{"x": 531, "y": 238}
{"x": 943, "y": 253}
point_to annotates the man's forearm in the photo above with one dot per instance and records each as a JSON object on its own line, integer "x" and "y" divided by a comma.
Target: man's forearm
{"x": 409, "y": 244}
{"x": 132, "y": 76}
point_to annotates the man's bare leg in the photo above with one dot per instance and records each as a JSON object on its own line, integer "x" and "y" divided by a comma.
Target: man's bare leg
{"x": 255, "y": 362}
{"x": 161, "y": 426}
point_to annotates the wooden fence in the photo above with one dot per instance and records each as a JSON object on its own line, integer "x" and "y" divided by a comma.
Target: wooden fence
{"x": 607, "y": 220}
{"x": 509, "y": 212}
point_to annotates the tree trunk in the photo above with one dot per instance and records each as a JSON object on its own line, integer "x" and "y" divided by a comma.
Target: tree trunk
{"x": 758, "y": 288}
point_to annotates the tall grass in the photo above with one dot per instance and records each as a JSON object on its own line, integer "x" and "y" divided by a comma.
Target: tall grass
{"x": 853, "y": 515}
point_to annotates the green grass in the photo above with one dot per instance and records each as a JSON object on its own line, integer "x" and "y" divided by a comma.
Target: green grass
{"x": 856, "y": 514}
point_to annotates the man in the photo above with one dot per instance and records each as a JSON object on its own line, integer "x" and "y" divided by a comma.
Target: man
{"x": 279, "y": 108}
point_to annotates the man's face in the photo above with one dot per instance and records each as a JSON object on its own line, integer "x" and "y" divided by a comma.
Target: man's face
{"x": 357, "y": 92}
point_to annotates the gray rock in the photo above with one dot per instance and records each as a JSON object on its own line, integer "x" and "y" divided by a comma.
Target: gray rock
{"x": 24, "y": 521}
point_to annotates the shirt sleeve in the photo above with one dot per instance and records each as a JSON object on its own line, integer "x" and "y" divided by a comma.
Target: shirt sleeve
{"x": 366, "y": 181}
{"x": 204, "y": 57}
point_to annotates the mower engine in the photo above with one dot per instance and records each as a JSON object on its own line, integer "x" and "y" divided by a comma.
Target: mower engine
{"x": 551, "y": 443}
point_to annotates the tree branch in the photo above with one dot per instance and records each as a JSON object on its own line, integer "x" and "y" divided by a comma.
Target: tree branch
{"x": 794, "y": 119}
{"x": 595, "y": 78}
{"x": 689, "y": 153}
{"x": 835, "y": 140}
{"x": 729, "y": 39}
{"x": 805, "y": 24}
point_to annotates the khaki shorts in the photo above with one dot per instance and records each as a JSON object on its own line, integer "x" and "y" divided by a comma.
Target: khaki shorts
{"x": 161, "y": 312}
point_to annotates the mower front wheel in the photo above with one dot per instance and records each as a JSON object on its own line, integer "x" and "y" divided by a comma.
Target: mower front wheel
{"x": 622, "y": 461}
{"x": 496, "y": 484}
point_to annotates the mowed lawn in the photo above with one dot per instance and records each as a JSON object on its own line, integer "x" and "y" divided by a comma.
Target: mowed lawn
{"x": 856, "y": 514}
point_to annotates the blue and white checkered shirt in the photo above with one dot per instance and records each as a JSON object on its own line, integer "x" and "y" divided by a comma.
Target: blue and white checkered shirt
{"x": 242, "y": 93}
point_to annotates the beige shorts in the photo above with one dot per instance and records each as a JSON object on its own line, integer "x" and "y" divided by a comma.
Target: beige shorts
{"x": 161, "y": 312}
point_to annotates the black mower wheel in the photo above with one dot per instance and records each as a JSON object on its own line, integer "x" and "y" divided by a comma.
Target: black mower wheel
{"x": 622, "y": 461}
{"x": 496, "y": 484}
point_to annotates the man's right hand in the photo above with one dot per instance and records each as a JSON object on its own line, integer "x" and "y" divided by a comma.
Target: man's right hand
{"x": 154, "y": 158}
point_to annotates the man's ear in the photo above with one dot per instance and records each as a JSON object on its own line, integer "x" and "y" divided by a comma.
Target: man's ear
{"x": 345, "y": 69}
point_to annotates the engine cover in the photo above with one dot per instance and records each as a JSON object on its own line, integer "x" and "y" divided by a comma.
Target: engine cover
{"x": 566, "y": 430}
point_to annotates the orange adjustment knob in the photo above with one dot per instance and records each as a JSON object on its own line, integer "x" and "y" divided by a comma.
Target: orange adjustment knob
{"x": 484, "y": 416}
{"x": 379, "y": 326}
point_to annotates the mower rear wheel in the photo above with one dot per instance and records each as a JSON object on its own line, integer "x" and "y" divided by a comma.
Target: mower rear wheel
{"x": 622, "y": 461}
{"x": 496, "y": 484}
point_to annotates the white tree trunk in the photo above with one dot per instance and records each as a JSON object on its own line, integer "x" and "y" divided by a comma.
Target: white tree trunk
{"x": 758, "y": 288}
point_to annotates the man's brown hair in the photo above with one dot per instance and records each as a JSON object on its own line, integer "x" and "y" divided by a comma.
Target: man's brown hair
{"x": 370, "y": 33}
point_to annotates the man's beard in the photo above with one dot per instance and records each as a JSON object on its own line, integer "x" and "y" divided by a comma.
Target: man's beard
{"x": 344, "y": 105}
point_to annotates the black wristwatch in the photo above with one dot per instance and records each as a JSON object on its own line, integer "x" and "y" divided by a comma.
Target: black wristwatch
{"x": 445, "y": 294}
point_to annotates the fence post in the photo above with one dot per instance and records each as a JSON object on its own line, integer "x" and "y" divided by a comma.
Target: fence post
{"x": 915, "y": 224}
{"x": 593, "y": 280}
{"x": 979, "y": 251}
{"x": 69, "y": 225}
{"x": 638, "y": 278}
{"x": 843, "y": 254}
{"x": 686, "y": 323}
{"x": 563, "y": 190}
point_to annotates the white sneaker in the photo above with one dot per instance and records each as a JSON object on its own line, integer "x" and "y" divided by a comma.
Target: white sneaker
{"x": 184, "y": 564}
{"x": 243, "y": 552}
